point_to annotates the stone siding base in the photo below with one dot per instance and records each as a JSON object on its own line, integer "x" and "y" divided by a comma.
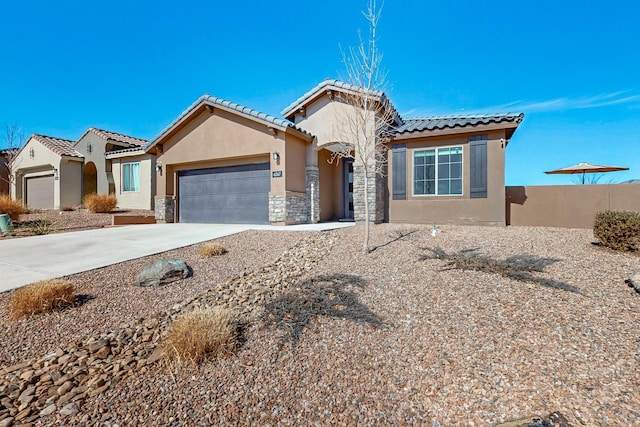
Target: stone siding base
{"x": 165, "y": 208}
{"x": 290, "y": 208}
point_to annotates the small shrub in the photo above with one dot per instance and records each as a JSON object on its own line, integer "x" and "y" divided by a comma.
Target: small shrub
{"x": 201, "y": 334}
{"x": 39, "y": 297}
{"x": 13, "y": 208}
{"x": 43, "y": 226}
{"x": 618, "y": 230}
{"x": 212, "y": 249}
{"x": 100, "y": 203}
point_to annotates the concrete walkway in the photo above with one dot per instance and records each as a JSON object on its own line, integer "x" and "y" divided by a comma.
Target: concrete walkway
{"x": 30, "y": 259}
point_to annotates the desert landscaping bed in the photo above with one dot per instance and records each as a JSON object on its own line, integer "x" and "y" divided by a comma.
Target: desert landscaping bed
{"x": 65, "y": 221}
{"x": 340, "y": 338}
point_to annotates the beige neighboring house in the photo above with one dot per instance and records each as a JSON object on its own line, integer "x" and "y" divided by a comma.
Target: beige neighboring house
{"x": 221, "y": 162}
{"x": 52, "y": 173}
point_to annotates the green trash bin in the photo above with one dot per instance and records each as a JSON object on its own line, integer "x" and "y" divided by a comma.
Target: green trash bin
{"x": 5, "y": 223}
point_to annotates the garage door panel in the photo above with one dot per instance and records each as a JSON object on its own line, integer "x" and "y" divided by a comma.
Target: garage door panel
{"x": 40, "y": 192}
{"x": 235, "y": 194}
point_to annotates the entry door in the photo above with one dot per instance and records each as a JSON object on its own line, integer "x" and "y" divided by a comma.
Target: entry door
{"x": 235, "y": 194}
{"x": 347, "y": 188}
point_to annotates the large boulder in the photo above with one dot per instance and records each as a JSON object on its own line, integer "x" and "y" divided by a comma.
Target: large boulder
{"x": 162, "y": 271}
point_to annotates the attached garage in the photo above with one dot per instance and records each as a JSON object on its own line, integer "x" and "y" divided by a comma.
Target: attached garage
{"x": 40, "y": 192}
{"x": 225, "y": 195}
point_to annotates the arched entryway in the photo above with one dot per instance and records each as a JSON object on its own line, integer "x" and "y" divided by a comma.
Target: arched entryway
{"x": 89, "y": 179}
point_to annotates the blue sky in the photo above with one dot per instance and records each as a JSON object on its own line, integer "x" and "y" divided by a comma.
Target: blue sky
{"x": 132, "y": 66}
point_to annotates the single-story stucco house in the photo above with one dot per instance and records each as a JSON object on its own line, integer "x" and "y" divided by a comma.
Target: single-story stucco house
{"x": 4, "y": 171}
{"x": 52, "y": 173}
{"x": 221, "y": 162}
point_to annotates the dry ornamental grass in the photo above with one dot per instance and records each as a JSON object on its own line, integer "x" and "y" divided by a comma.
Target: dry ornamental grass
{"x": 13, "y": 208}
{"x": 41, "y": 296}
{"x": 212, "y": 249}
{"x": 100, "y": 203}
{"x": 201, "y": 334}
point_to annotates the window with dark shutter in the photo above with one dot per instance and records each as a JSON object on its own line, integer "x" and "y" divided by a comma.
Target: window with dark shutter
{"x": 399, "y": 174}
{"x": 478, "y": 166}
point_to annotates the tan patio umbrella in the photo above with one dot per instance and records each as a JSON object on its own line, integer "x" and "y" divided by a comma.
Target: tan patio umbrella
{"x": 584, "y": 168}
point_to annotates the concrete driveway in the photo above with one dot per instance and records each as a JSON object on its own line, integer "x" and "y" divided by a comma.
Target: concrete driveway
{"x": 29, "y": 259}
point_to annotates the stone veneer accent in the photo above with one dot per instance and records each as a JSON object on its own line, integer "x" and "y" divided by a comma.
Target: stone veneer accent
{"x": 165, "y": 208}
{"x": 291, "y": 208}
{"x": 313, "y": 194}
{"x": 376, "y": 194}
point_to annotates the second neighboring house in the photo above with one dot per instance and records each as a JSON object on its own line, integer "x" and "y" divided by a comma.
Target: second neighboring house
{"x": 52, "y": 173}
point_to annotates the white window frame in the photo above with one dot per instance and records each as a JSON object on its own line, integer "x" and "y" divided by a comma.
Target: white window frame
{"x": 122, "y": 168}
{"x": 413, "y": 171}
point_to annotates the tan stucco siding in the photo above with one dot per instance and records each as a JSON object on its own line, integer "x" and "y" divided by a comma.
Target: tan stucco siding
{"x": 95, "y": 155}
{"x": 330, "y": 187}
{"x": 220, "y": 139}
{"x": 295, "y": 173}
{"x": 142, "y": 199}
{"x": 69, "y": 183}
{"x": 453, "y": 209}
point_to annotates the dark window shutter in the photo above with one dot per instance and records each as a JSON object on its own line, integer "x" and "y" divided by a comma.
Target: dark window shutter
{"x": 478, "y": 166}
{"x": 399, "y": 178}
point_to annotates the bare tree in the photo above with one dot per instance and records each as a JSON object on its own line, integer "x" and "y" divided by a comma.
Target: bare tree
{"x": 365, "y": 127}
{"x": 13, "y": 140}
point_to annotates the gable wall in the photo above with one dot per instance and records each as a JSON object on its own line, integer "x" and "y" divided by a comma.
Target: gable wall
{"x": 43, "y": 162}
{"x": 98, "y": 148}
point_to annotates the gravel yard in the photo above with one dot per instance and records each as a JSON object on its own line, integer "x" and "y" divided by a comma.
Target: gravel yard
{"x": 378, "y": 339}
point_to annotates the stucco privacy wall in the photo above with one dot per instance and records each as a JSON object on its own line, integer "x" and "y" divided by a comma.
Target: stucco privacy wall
{"x": 142, "y": 199}
{"x": 572, "y": 206}
{"x": 214, "y": 137}
{"x": 453, "y": 209}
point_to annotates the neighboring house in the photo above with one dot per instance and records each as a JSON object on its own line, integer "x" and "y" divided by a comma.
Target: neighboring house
{"x": 51, "y": 173}
{"x": 4, "y": 172}
{"x": 222, "y": 162}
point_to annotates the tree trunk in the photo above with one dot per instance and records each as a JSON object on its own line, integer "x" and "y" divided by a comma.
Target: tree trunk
{"x": 365, "y": 245}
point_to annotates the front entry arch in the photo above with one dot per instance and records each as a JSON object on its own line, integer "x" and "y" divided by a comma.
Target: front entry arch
{"x": 89, "y": 179}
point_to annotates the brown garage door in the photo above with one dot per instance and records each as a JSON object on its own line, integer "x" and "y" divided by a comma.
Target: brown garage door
{"x": 40, "y": 192}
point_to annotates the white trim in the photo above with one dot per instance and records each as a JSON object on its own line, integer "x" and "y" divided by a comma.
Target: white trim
{"x": 414, "y": 150}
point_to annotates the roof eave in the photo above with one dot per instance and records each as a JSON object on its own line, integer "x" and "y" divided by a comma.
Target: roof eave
{"x": 509, "y": 126}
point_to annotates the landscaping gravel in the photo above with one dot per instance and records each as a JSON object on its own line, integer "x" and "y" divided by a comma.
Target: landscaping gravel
{"x": 336, "y": 337}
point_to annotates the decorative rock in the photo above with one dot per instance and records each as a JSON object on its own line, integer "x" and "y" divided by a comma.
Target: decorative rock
{"x": 69, "y": 409}
{"x": 48, "y": 410}
{"x": 634, "y": 282}
{"x": 7, "y": 422}
{"x": 162, "y": 271}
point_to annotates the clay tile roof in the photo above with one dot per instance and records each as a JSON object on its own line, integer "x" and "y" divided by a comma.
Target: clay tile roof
{"x": 130, "y": 140}
{"x": 62, "y": 147}
{"x": 441, "y": 122}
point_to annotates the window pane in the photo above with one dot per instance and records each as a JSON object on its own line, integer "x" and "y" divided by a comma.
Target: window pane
{"x": 443, "y": 158}
{"x": 419, "y": 173}
{"x": 456, "y": 186}
{"x": 456, "y": 170}
{"x": 431, "y": 172}
{"x": 456, "y": 157}
{"x": 443, "y": 171}
{"x": 418, "y": 188}
{"x": 126, "y": 178}
{"x": 443, "y": 186}
{"x": 419, "y": 160}
{"x": 430, "y": 187}
{"x": 135, "y": 177}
